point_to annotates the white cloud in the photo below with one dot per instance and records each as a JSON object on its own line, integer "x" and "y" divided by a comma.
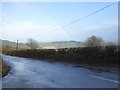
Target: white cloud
{"x": 24, "y": 30}
{"x": 103, "y": 26}
{"x": 108, "y": 30}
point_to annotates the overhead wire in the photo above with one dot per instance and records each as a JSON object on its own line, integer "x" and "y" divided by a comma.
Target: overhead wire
{"x": 76, "y": 20}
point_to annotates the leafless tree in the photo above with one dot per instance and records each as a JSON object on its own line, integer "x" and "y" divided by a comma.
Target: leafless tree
{"x": 33, "y": 44}
{"x": 111, "y": 44}
{"x": 94, "y": 41}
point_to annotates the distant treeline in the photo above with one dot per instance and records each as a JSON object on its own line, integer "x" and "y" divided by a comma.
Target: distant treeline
{"x": 95, "y": 56}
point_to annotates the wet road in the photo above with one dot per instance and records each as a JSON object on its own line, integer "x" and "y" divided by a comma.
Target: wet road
{"x": 28, "y": 73}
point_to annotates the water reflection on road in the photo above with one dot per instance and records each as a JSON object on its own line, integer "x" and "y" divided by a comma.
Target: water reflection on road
{"x": 28, "y": 73}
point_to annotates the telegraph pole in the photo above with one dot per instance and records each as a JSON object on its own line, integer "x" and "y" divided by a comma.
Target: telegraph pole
{"x": 17, "y": 45}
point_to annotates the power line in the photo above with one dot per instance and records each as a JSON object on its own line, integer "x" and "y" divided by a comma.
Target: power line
{"x": 76, "y": 20}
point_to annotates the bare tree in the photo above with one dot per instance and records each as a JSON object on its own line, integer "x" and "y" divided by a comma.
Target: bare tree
{"x": 111, "y": 44}
{"x": 33, "y": 44}
{"x": 94, "y": 41}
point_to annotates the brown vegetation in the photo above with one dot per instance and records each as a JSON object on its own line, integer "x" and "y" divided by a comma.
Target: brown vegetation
{"x": 94, "y": 56}
{"x": 4, "y": 69}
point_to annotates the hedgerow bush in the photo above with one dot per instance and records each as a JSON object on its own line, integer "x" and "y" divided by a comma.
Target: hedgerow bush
{"x": 96, "y": 56}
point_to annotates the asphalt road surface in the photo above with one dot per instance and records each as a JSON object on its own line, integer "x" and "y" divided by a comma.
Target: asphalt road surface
{"x": 28, "y": 73}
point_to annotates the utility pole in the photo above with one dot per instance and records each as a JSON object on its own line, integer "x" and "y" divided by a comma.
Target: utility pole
{"x": 17, "y": 45}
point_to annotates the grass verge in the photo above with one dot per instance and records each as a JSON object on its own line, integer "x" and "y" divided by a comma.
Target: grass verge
{"x": 4, "y": 69}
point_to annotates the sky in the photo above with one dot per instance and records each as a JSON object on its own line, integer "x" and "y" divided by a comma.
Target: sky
{"x": 23, "y": 20}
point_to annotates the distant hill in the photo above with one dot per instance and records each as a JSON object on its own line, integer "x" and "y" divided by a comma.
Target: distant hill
{"x": 61, "y": 44}
{"x": 42, "y": 45}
